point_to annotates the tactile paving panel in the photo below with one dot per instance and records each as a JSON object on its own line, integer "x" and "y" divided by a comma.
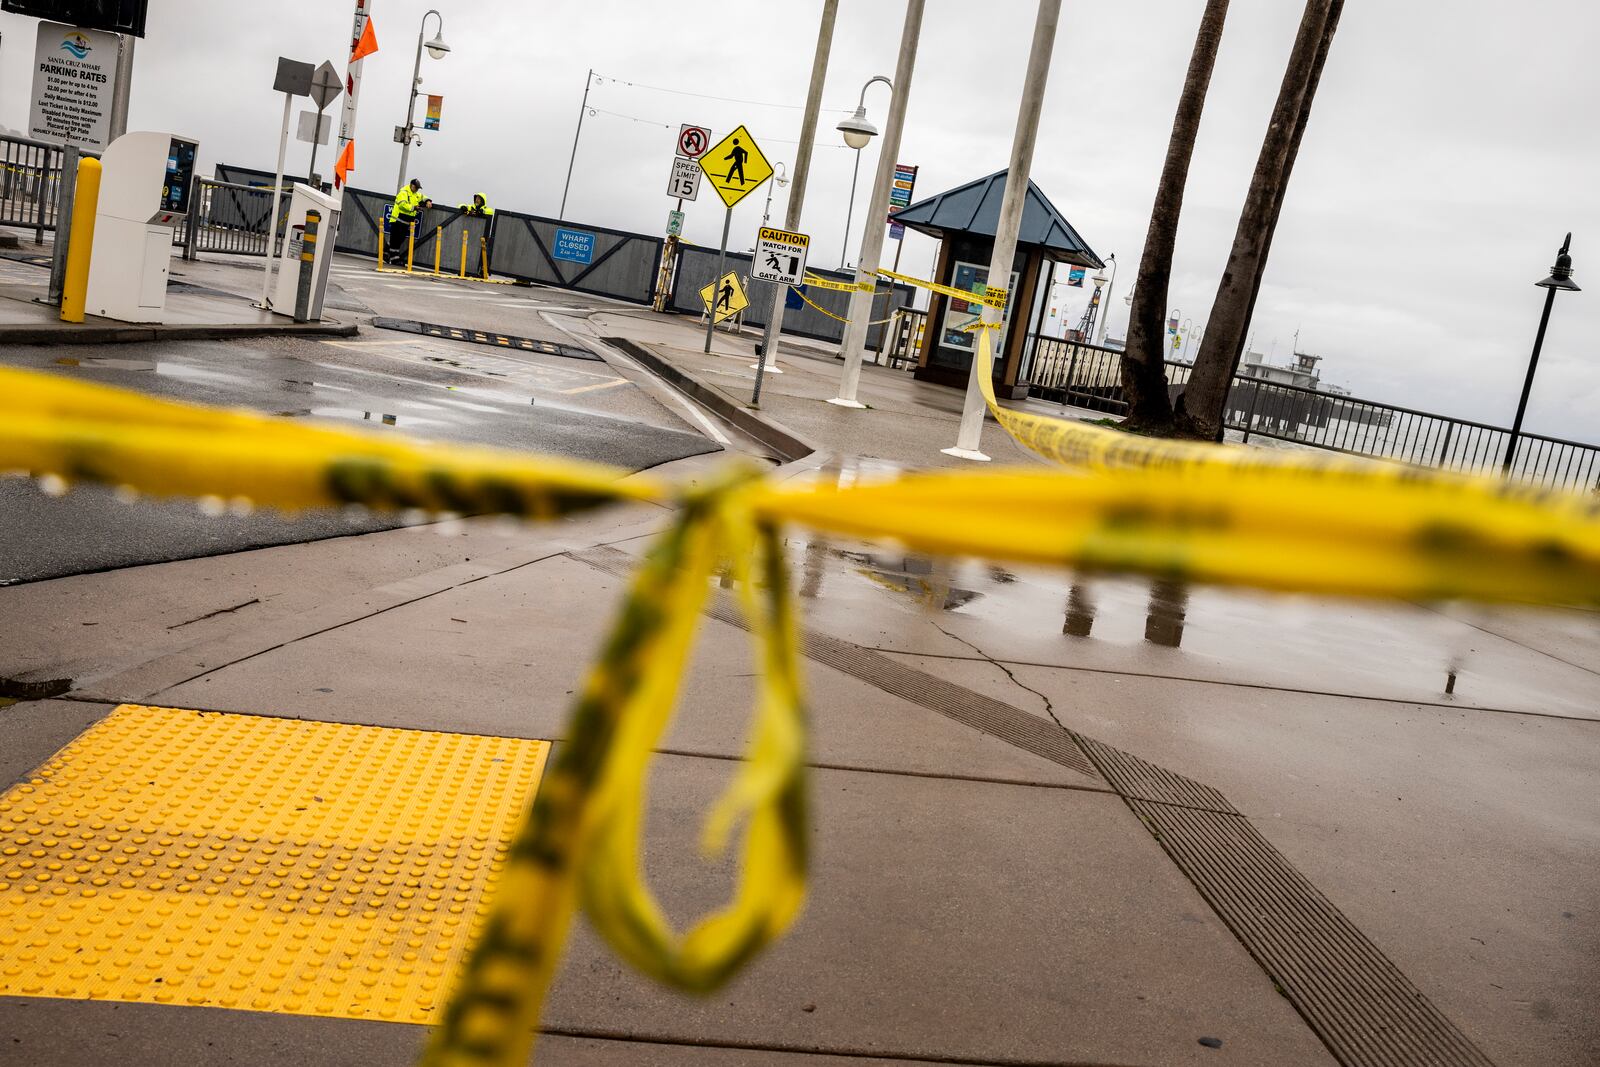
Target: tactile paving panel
{"x": 237, "y": 861}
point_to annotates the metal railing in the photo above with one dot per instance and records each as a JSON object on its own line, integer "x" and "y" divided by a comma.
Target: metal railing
{"x": 904, "y": 337}
{"x": 231, "y": 218}
{"x": 1089, "y": 376}
{"x": 30, "y": 184}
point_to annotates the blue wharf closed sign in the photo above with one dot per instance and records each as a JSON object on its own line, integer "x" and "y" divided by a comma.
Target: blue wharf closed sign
{"x": 574, "y": 246}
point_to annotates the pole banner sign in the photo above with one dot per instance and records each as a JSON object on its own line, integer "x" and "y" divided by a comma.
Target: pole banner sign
{"x": 435, "y": 109}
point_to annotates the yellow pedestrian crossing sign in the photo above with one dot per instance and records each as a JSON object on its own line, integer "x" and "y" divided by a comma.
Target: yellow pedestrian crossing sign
{"x": 724, "y": 298}
{"x": 736, "y": 166}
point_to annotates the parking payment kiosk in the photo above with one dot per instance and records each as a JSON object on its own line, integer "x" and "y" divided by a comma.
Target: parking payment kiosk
{"x": 145, "y": 185}
{"x": 287, "y": 282}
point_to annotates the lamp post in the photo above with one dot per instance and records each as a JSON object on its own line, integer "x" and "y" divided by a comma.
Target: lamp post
{"x": 1560, "y": 278}
{"x": 858, "y": 131}
{"x": 438, "y": 50}
{"x": 782, "y": 180}
{"x": 1105, "y": 310}
{"x": 1009, "y": 225}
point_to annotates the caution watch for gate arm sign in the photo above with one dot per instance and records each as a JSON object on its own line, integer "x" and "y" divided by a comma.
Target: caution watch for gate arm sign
{"x": 1193, "y": 512}
{"x": 735, "y": 166}
{"x": 780, "y": 256}
{"x": 725, "y": 297}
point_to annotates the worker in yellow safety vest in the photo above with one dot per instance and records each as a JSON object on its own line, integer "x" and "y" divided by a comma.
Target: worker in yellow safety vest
{"x": 479, "y": 208}
{"x": 409, "y": 204}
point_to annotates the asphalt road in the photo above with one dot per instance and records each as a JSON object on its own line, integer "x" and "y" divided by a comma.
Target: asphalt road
{"x": 388, "y": 382}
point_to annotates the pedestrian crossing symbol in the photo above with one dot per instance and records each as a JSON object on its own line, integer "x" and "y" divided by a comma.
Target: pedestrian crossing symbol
{"x": 735, "y": 166}
{"x": 724, "y": 298}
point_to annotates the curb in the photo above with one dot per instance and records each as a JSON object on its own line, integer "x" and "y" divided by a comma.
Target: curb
{"x": 72, "y": 334}
{"x": 787, "y": 445}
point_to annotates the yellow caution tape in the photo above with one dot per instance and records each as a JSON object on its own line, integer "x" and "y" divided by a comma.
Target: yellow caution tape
{"x": 990, "y": 297}
{"x": 840, "y": 287}
{"x": 1198, "y": 512}
{"x": 582, "y": 833}
{"x": 831, "y": 315}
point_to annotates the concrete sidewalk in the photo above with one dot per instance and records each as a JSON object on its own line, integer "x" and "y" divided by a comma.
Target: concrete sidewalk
{"x": 194, "y": 312}
{"x": 1059, "y": 819}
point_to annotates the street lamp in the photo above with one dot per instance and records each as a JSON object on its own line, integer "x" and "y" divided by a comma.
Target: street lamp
{"x": 781, "y": 180}
{"x": 438, "y": 50}
{"x": 1105, "y": 310}
{"x": 1560, "y": 278}
{"x": 858, "y": 131}
{"x": 1185, "y": 330}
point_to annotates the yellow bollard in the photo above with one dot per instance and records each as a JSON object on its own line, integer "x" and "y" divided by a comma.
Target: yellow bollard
{"x": 463, "y": 253}
{"x": 484, "y": 250}
{"x": 411, "y": 249}
{"x": 80, "y": 245}
{"x": 381, "y": 228}
{"x": 438, "y": 249}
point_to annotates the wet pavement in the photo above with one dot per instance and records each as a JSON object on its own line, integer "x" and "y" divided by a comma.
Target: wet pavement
{"x": 1427, "y": 770}
{"x": 384, "y": 381}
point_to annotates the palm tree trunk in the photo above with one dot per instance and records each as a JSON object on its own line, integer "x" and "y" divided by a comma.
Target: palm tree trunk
{"x": 1144, "y": 379}
{"x": 1207, "y": 393}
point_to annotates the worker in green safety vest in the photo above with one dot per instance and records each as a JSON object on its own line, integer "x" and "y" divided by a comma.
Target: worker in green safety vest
{"x": 479, "y": 208}
{"x": 409, "y": 204}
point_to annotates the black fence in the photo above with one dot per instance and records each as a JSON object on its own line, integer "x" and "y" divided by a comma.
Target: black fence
{"x": 1091, "y": 377}
{"x": 588, "y": 259}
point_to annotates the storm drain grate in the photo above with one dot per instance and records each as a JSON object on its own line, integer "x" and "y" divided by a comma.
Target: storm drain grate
{"x": 1359, "y": 1003}
{"x": 486, "y": 337}
{"x": 1137, "y": 780}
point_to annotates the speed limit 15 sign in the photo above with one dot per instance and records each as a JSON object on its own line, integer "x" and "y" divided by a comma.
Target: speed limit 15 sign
{"x": 685, "y": 181}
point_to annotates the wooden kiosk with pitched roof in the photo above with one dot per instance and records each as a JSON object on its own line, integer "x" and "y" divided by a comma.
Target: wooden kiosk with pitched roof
{"x": 964, "y": 220}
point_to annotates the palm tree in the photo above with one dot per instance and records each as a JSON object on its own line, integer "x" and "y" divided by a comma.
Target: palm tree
{"x": 1205, "y": 397}
{"x": 1144, "y": 378}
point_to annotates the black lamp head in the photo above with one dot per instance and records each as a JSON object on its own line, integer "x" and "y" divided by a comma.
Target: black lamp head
{"x": 1561, "y": 273}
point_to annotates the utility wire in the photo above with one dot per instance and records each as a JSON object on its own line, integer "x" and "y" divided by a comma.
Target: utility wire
{"x": 666, "y": 126}
{"x": 708, "y": 96}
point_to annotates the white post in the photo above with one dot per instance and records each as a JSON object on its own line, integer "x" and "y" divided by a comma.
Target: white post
{"x": 802, "y": 170}
{"x": 352, "y": 82}
{"x": 272, "y": 220}
{"x": 1005, "y": 241}
{"x": 854, "y": 343}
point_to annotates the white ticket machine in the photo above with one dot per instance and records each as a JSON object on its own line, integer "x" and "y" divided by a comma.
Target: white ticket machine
{"x": 146, "y": 181}
{"x": 286, "y": 285}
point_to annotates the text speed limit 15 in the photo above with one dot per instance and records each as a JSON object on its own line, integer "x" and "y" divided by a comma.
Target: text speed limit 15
{"x": 685, "y": 181}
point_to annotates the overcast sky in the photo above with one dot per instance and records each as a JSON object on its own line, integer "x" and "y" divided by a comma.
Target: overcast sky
{"x": 1452, "y": 144}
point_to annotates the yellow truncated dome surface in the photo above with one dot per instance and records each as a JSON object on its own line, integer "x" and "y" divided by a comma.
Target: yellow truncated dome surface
{"x": 239, "y": 861}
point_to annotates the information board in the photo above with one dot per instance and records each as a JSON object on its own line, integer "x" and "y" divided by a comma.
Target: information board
{"x": 74, "y": 82}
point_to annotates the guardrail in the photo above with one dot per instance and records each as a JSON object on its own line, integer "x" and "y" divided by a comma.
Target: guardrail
{"x": 1089, "y": 376}
{"x": 231, "y": 218}
{"x": 30, "y": 180}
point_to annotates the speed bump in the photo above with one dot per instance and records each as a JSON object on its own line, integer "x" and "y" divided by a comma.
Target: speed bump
{"x": 240, "y": 861}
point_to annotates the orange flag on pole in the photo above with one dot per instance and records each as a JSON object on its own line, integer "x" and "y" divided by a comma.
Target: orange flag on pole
{"x": 346, "y": 164}
{"x": 367, "y": 45}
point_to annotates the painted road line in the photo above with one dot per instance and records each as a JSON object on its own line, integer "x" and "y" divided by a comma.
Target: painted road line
{"x": 593, "y": 388}
{"x": 247, "y": 862}
{"x": 585, "y": 335}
